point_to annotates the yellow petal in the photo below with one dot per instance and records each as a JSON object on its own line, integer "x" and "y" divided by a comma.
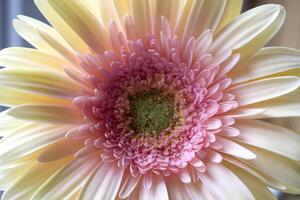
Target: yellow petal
{"x": 40, "y": 81}
{"x": 67, "y": 180}
{"x": 26, "y": 185}
{"x": 268, "y": 61}
{"x": 232, "y": 10}
{"x": 46, "y": 114}
{"x": 264, "y": 89}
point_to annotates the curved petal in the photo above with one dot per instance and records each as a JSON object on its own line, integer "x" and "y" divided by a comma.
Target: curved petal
{"x": 46, "y": 113}
{"x": 245, "y": 35}
{"x": 284, "y": 170}
{"x": 67, "y": 180}
{"x": 26, "y": 185}
{"x": 41, "y": 81}
{"x": 268, "y": 61}
{"x": 104, "y": 183}
{"x": 129, "y": 186}
{"x": 158, "y": 189}
{"x": 257, "y": 187}
{"x": 216, "y": 179}
{"x": 176, "y": 189}
{"x": 197, "y": 191}
{"x": 270, "y": 137}
{"x": 264, "y": 89}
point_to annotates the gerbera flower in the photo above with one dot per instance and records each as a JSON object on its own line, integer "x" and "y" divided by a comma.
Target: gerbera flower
{"x": 146, "y": 99}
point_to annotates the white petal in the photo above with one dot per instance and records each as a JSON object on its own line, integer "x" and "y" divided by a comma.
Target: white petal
{"x": 264, "y": 89}
{"x": 176, "y": 189}
{"x": 104, "y": 183}
{"x": 67, "y": 180}
{"x": 232, "y": 148}
{"x": 284, "y": 170}
{"x": 158, "y": 190}
{"x": 268, "y": 61}
{"x": 270, "y": 137}
{"x": 245, "y": 113}
{"x": 253, "y": 29}
{"x": 197, "y": 191}
{"x": 256, "y": 186}
{"x": 184, "y": 176}
{"x": 223, "y": 183}
{"x": 129, "y": 185}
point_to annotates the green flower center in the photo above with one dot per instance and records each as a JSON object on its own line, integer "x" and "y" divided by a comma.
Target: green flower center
{"x": 152, "y": 112}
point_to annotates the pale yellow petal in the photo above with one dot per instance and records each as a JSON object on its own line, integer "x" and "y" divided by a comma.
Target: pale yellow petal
{"x": 83, "y": 23}
{"x": 270, "y": 137}
{"x": 245, "y": 35}
{"x": 67, "y": 180}
{"x": 264, "y": 89}
{"x": 268, "y": 61}
{"x": 46, "y": 113}
{"x": 108, "y": 13}
{"x": 26, "y": 185}
{"x": 71, "y": 37}
{"x": 40, "y": 81}
{"x": 60, "y": 149}
{"x": 232, "y": 10}
{"x": 142, "y": 18}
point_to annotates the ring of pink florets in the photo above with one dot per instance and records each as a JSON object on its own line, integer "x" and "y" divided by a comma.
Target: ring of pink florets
{"x": 141, "y": 66}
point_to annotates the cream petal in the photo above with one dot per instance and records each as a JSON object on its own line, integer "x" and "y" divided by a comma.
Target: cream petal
{"x": 284, "y": 170}
{"x": 267, "y": 61}
{"x": 244, "y": 31}
{"x": 232, "y": 9}
{"x": 197, "y": 191}
{"x": 129, "y": 186}
{"x": 210, "y": 10}
{"x": 264, "y": 89}
{"x": 82, "y": 22}
{"x": 19, "y": 57}
{"x": 62, "y": 27}
{"x": 256, "y": 186}
{"x": 270, "y": 137}
{"x": 158, "y": 189}
{"x": 26, "y": 185}
{"x": 217, "y": 179}
{"x": 176, "y": 189}
{"x": 46, "y": 113}
{"x": 234, "y": 149}
{"x": 104, "y": 183}
{"x": 123, "y": 8}
{"x": 245, "y": 113}
{"x": 108, "y": 13}
{"x": 40, "y": 81}
{"x": 285, "y": 106}
{"x": 68, "y": 179}
{"x": 29, "y": 139}
{"x": 184, "y": 15}
{"x": 8, "y": 125}
{"x": 60, "y": 149}
{"x": 141, "y": 15}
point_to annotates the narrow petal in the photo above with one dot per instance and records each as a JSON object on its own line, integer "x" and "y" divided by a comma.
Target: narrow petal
{"x": 29, "y": 139}
{"x": 216, "y": 179}
{"x": 257, "y": 187}
{"x": 60, "y": 149}
{"x": 176, "y": 189}
{"x": 41, "y": 81}
{"x": 104, "y": 183}
{"x": 245, "y": 35}
{"x": 108, "y": 13}
{"x": 46, "y": 113}
{"x": 284, "y": 170}
{"x": 245, "y": 113}
{"x": 268, "y": 61}
{"x": 270, "y": 137}
{"x": 234, "y": 149}
{"x": 158, "y": 189}
{"x": 265, "y": 89}
{"x": 129, "y": 186}
{"x": 197, "y": 191}
{"x": 141, "y": 16}
{"x": 26, "y": 185}
{"x": 67, "y": 180}
{"x": 232, "y": 10}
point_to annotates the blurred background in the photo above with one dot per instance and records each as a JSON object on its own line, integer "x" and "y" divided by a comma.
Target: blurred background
{"x": 288, "y": 36}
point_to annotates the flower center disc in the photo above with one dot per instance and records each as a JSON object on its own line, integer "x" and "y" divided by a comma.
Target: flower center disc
{"x": 151, "y": 111}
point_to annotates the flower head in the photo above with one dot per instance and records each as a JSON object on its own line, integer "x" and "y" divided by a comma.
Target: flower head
{"x": 144, "y": 99}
